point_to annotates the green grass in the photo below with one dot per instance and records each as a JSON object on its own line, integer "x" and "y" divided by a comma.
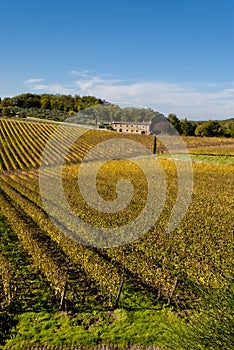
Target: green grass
{"x": 210, "y": 328}
{"x": 201, "y": 158}
{"x": 142, "y": 327}
{"x": 31, "y": 292}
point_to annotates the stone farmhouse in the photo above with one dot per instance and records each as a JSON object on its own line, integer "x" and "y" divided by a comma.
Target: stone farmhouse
{"x": 132, "y": 127}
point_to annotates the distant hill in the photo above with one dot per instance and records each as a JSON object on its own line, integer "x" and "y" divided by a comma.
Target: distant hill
{"x": 89, "y": 110}
{"x": 48, "y": 106}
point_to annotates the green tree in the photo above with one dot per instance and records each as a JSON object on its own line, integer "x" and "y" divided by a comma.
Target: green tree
{"x": 187, "y": 128}
{"x": 175, "y": 122}
{"x": 228, "y": 127}
{"x": 7, "y": 111}
{"x": 6, "y": 102}
{"x": 209, "y": 128}
{"x": 45, "y": 101}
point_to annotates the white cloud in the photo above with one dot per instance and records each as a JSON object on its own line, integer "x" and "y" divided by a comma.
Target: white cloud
{"x": 198, "y": 102}
{"x": 39, "y": 86}
{"x": 192, "y": 101}
{"x": 83, "y": 73}
{"x": 54, "y": 89}
{"x": 33, "y": 81}
{"x": 96, "y": 82}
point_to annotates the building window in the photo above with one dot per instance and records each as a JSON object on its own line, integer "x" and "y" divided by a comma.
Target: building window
{"x": 127, "y": 130}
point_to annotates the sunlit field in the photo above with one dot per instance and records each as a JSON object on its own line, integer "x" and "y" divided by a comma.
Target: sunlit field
{"x": 43, "y": 268}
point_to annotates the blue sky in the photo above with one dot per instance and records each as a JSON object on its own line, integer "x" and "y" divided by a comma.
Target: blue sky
{"x": 174, "y": 56}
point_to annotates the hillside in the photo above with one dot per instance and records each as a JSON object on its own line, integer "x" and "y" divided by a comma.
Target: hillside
{"x": 89, "y": 110}
{"x": 61, "y": 286}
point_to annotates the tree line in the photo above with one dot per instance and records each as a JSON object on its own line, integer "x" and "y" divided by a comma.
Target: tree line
{"x": 210, "y": 128}
{"x": 49, "y": 101}
{"x": 92, "y": 110}
{"x": 60, "y": 106}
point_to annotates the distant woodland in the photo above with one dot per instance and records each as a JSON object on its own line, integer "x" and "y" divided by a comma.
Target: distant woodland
{"x": 90, "y": 110}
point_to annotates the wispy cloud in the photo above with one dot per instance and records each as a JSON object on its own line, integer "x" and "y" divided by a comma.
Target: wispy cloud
{"x": 95, "y": 83}
{"x": 38, "y": 86}
{"x": 33, "y": 81}
{"x": 83, "y": 73}
{"x": 54, "y": 89}
{"x": 192, "y": 101}
{"x": 186, "y": 100}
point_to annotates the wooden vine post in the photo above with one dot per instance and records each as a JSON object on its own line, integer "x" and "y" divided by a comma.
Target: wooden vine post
{"x": 63, "y": 302}
{"x": 155, "y": 145}
{"x": 118, "y": 294}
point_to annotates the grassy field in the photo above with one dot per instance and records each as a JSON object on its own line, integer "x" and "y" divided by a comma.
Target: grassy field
{"x": 202, "y": 158}
{"x": 174, "y": 289}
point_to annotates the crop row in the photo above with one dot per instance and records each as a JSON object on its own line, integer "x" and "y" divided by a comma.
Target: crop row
{"x": 198, "y": 251}
{"x": 25, "y": 234}
{"x": 106, "y": 267}
{"x": 94, "y": 265}
{"x": 6, "y": 274}
{"x": 23, "y": 144}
